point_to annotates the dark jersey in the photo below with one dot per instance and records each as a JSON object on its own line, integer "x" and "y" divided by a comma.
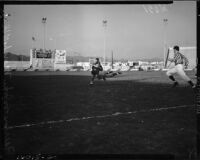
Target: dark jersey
{"x": 96, "y": 67}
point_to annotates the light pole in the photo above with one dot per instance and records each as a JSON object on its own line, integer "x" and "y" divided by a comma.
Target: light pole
{"x": 104, "y": 25}
{"x": 165, "y": 21}
{"x": 112, "y": 59}
{"x": 44, "y": 19}
{"x": 22, "y": 60}
{"x": 6, "y": 31}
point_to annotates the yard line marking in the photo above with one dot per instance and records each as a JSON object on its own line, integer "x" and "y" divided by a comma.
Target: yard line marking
{"x": 99, "y": 116}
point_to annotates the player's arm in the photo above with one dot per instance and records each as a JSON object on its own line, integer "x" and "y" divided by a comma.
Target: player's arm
{"x": 93, "y": 66}
{"x": 100, "y": 67}
{"x": 185, "y": 61}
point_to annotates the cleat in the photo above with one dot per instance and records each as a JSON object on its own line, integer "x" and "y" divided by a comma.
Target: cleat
{"x": 91, "y": 83}
{"x": 195, "y": 89}
{"x": 104, "y": 78}
{"x": 175, "y": 84}
{"x": 194, "y": 86}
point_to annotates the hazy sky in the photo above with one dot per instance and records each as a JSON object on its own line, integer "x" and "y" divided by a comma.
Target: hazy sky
{"x": 131, "y": 32}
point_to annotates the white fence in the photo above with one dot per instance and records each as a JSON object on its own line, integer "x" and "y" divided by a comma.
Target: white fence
{"x": 23, "y": 65}
{"x": 9, "y": 65}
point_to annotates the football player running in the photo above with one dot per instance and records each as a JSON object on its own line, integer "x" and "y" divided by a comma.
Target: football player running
{"x": 96, "y": 68}
{"x": 181, "y": 62}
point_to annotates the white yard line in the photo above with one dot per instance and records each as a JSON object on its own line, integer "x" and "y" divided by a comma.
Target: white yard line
{"x": 99, "y": 116}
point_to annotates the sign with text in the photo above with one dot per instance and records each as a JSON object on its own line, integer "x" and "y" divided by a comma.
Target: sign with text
{"x": 60, "y": 56}
{"x": 43, "y": 54}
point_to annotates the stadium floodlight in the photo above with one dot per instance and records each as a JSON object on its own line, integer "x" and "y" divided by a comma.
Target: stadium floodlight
{"x": 44, "y": 19}
{"x": 6, "y": 15}
{"x": 104, "y": 25}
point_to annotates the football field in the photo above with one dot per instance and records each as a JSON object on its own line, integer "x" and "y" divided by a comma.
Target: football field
{"x": 132, "y": 113}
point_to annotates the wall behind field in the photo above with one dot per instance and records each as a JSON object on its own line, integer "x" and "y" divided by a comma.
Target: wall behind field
{"x": 16, "y": 64}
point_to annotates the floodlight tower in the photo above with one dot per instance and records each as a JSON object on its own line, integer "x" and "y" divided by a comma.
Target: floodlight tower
{"x": 165, "y": 22}
{"x": 6, "y": 31}
{"x": 6, "y": 15}
{"x": 104, "y": 25}
{"x": 44, "y": 19}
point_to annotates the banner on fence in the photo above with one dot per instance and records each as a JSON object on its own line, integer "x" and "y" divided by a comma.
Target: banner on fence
{"x": 60, "y": 56}
{"x": 43, "y": 63}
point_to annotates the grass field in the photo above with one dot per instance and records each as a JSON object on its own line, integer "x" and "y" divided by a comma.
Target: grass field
{"x": 132, "y": 113}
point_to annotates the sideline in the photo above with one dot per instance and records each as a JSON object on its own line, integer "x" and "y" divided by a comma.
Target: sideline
{"x": 99, "y": 116}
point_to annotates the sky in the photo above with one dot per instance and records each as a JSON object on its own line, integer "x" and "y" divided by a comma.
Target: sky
{"x": 132, "y": 31}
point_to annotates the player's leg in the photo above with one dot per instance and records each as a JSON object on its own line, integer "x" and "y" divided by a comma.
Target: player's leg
{"x": 93, "y": 77}
{"x": 170, "y": 74}
{"x": 98, "y": 75}
{"x": 181, "y": 73}
{"x": 104, "y": 76}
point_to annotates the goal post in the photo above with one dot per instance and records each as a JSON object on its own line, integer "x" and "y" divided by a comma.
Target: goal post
{"x": 189, "y": 52}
